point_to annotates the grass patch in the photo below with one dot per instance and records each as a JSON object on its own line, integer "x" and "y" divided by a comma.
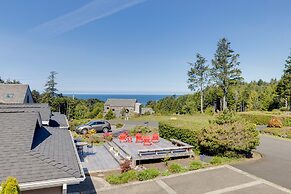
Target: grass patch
{"x": 148, "y": 174}
{"x": 284, "y": 132}
{"x": 195, "y": 165}
{"x": 176, "y": 168}
{"x": 218, "y": 160}
{"x": 196, "y": 121}
{"x": 122, "y": 178}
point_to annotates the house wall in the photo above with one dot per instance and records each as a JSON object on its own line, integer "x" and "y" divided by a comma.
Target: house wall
{"x": 117, "y": 110}
{"x": 28, "y": 97}
{"x": 53, "y": 190}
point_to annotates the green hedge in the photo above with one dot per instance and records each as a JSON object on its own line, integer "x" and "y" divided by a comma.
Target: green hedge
{"x": 256, "y": 119}
{"x": 229, "y": 139}
{"x": 188, "y": 136}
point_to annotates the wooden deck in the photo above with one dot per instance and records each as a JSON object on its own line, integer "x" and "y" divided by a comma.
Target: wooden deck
{"x": 98, "y": 159}
{"x": 159, "y": 150}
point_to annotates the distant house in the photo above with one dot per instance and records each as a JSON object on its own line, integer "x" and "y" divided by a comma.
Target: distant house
{"x": 119, "y": 106}
{"x": 43, "y": 159}
{"x": 146, "y": 110}
{"x": 15, "y": 94}
{"x": 43, "y": 109}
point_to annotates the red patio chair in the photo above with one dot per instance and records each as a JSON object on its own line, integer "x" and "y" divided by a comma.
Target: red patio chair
{"x": 138, "y": 138}
{"x": 155, "y": 138}
{"x": 147, "y": 141}
{"x": 129, "y": 139}
{"x": 122, "y": 137}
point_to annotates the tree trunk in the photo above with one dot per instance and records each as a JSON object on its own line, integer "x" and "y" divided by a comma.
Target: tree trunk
{"x": 201, "y": 102}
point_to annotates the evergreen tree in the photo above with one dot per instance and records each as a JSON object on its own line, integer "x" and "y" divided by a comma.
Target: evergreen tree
{"x": 284, "y": 85}
{"x": 198, "y": 77}
{"x": 50, "y": 86}
{"x": 225, "y": 69}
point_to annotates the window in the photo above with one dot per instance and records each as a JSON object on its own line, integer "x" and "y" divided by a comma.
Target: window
{"x": 9, "y": 95}
{"x": 100, "y": 123}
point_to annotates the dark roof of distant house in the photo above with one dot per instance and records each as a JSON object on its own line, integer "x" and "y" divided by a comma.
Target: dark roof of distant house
{"x": 42, "y": 108}
{"x": 32, "y": 153}
{"x": 13, "y": 93}
{"x": 121, "y": 102}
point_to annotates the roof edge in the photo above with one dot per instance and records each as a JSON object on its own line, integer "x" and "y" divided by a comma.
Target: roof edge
{"x": 49, "y": 183}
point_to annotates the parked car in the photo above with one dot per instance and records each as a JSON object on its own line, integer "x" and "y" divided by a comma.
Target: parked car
{"x": 97, "y": 125}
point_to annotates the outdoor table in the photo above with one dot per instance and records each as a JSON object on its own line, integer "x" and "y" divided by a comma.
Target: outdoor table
{"x": 80, "y": 146}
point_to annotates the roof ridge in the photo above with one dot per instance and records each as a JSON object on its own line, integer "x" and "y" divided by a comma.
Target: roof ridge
{"x": 52, "y": 162}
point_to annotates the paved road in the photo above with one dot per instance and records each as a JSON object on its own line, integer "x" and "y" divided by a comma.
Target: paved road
{"x": 275, "y": 166}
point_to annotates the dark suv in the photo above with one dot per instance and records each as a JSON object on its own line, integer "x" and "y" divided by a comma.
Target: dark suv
{"x": 98, "y": 126}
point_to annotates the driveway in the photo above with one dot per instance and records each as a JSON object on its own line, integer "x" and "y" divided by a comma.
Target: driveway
{"x": 224, "y": 179}
{"x": 275, "y": 166}
{"x": 215, "y": 180}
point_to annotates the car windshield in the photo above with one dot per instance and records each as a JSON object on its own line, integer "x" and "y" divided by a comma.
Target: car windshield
{"x": 90, "y": 123}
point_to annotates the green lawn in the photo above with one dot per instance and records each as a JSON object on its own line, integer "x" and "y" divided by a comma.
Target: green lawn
{"x": 196, "y": 121}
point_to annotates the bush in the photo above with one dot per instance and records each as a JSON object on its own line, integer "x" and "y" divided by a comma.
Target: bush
{"x": 119, "y": 125}
{"x": 176, "y": 168}
{"x": 10, "y": 186}
{"x": 95, "y": 138}
{"x": 275, "y": 122}
{"x": 148, "y": 174}
{"x": 110, "y": 115}
{"x": 287, "y": 122}
{"x": 140, "y": 129}
{"x": 258, "y": 119}
{"x": 226, "y": 117}
{"x": 122, "y": 178}
{"x": 239, "y": 137}
{"x": 125, "y": 166}
{"x": 209, "y": 110}
{"x": 188, "y": 136}
{"x": 195, "y": 165}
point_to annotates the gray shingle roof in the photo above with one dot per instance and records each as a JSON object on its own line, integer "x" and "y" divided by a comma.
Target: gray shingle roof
{"x": 43, "y": 109}
{"x": 13, "y": 93}
{"x": 121, "y": 102}
{"x": 32, "y": 153}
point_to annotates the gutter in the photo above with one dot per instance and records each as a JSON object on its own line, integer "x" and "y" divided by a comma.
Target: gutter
{"x": 78, "y": 158}
{"x": 49, "y": 183}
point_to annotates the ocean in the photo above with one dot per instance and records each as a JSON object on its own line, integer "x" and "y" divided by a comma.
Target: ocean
{"x": 142, "y": 98}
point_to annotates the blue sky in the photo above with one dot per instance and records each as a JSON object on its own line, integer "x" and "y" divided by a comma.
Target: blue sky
{"x": 137, "y": 45}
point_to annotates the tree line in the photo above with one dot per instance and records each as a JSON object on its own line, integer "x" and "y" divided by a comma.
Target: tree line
{"x": 220, "y": 86}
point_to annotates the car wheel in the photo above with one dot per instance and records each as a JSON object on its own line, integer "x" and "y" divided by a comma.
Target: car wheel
{"x": 105, "y": 130}
{"x": 84, "y": 131}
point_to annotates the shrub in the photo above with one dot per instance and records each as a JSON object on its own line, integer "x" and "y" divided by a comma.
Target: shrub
{"x": 275, "y": 122}
{"x": 110, "y": 115}
{"x": 287, "y": 122}
{"x": 122, "y": 178}
{"x": 119, "y": 125}
{"x": 188, "y": 136}
{"x": 108, "y": 136}
{"x": 226, "y": 117}
{"x": 165, "y": 173}
{"x": 125, "y": 166}
{"x": 209, "y": 110}
{"x": 95, "y": 138}
{"x": 239, "y": 137}
{"x": 148, "y": 174}
{"x": 258, "y": 119}
{"x": 176, "y": 168}
{"x": 141, "y": 129}
{"x": 195, "y": 165}
{"x": 10, "y": 186}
